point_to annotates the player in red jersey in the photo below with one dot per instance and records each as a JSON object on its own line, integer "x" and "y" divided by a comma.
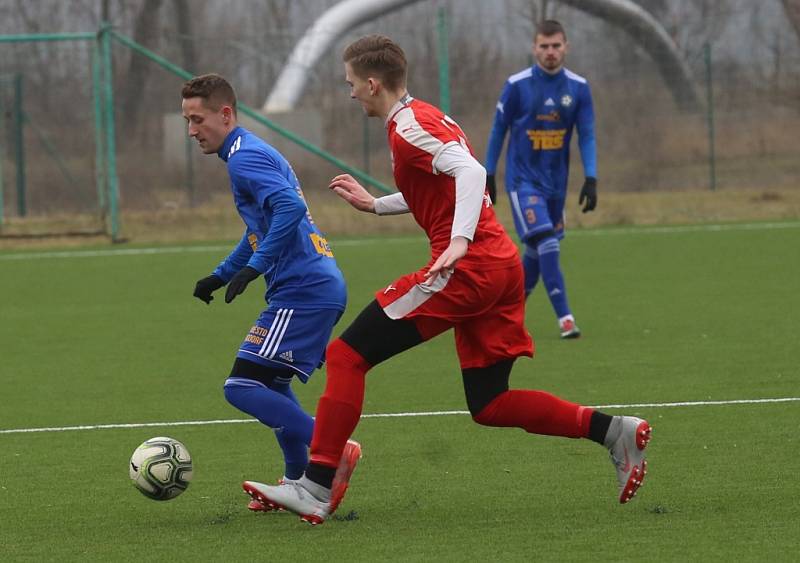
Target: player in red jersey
{"x": 473, "y": 283}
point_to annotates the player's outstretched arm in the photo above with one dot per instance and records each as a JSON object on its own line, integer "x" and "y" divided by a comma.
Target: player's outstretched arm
{"x": 346, "y": 187}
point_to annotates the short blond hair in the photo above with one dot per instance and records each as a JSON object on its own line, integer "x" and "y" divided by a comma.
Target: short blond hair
{"x": 380, "y": 57}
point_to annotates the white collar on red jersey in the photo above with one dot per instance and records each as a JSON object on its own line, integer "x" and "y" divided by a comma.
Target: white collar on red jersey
{"x": 399, "y": 104}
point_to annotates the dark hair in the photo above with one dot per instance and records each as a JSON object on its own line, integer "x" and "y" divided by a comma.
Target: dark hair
{"x": 215, "y": 91}
{"x": 550, "y": 27}
{"x": 378, "y": 56}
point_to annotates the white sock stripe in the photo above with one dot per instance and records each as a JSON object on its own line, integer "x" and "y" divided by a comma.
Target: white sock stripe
{"x": 242, "y": 382}
{"x": 280, "y": 330}
{"x": 547, "y": 246}
{"x": 395, "y": 415}
{"x": 269, "y": 336}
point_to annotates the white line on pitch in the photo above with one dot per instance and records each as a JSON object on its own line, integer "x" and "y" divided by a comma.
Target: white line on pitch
{"x": 390, "y": 415}
{"x": 399, "y": 240}
{"x": 179, "y": 249}
{"x": 715, "y": 228}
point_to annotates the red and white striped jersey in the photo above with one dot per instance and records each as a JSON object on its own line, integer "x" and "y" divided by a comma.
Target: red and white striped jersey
{"x": 418, "y": 133}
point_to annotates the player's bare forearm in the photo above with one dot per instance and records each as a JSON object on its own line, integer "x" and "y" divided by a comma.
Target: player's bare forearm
{"x": 346, "y": 187}
{"x": 445, "y": 263}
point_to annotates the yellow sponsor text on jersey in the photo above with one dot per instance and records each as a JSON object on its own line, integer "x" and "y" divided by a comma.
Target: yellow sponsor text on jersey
{"x": 547, "y": 139}
{"x": 252, "y": 238}
{"x": 321, "y": 245}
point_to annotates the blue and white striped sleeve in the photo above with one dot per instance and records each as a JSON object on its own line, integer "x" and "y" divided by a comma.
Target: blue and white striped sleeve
{"x": 586, "y": 138}
{"x": 504, "y": 112}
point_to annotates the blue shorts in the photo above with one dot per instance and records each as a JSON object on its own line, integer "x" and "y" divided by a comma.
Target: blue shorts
{"x": 290, "y": 338}
{"x": 534, "y": 213}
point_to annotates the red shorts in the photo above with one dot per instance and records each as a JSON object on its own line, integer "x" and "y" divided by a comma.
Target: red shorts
{"x": 486, "y": 309}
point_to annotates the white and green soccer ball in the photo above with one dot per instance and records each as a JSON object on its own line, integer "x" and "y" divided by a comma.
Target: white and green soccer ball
{"x": 161, "y": 468}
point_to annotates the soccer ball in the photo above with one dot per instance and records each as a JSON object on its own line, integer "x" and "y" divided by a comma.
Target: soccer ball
{"x": 161, "y": 468}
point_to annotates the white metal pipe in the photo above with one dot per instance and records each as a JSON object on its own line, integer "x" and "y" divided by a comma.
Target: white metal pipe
{"x": 329, "y": 27}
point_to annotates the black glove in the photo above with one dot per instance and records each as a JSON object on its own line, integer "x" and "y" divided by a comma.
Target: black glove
{"x": 492, "y": 187}
{"x": 589, "y": 193}
{"x": 239, "y": 282}
{"x": 205, "y": 287}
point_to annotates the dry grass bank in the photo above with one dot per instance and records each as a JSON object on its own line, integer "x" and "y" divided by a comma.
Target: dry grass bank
{"x": 218, "y": 220}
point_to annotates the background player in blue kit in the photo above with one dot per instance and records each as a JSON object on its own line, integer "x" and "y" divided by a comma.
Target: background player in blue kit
{"x": 541, "y": 105}
{"x": 306, "y": 292}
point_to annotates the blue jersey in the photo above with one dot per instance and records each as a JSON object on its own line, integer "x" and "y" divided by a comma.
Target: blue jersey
{"x": 541, "y": 110}
{"x": 280, "y": 238}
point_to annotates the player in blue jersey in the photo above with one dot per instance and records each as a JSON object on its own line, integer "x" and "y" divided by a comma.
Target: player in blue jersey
{"x": 540, "y": 106}
{"x": 305, "y": 289}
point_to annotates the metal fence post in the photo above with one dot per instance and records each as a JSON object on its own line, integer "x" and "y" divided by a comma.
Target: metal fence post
{"x": 444, "y": 62}
{"x": 110, "y": 144}
{"x": 712, "y": 158}
{"x": 19, "y": 142}
{"x": 99, "y": 146}
{"x": 189, "y": 154}
{"x": 365, "y": 143}
{"x": 2, "y": 153}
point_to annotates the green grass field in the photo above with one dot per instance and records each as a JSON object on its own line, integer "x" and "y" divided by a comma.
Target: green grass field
{"x": 668, "y": 316}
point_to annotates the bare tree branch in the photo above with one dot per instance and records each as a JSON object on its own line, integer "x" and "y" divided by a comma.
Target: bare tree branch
{"x": 792, "y": 8}
{"x": 144, "y": 32}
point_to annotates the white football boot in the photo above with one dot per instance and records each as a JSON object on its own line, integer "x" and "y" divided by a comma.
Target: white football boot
{"x": 569, "y": 329}
{"x": 629, "y": 437}
{"x": 304, "y": 497}
{"x": 257, "y": 506}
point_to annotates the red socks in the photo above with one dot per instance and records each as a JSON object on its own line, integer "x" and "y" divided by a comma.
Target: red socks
{"x": 339, "y": 408}
{"x": 536, "y": 412}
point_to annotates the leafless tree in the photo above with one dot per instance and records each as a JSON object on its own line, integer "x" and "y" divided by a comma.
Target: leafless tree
{"x": 145, "y": 32}
{"x": 183, "y": 22}
{"x": 792, "y": 8}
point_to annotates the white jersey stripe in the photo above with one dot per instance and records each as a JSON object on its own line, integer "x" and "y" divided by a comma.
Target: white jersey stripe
{"x": 573, "y": 76}
{"x": 271, "y": 331}
{"x": 270, "y": 352}
{"x": 520, "y": 75}
{"x": 415, "y": 297}
{"x": 415, "y": 135}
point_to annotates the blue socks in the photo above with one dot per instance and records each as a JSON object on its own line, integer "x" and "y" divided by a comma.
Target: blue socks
{"x": 530, "y": 263}
{"x": 277, "y": 407}
{"x": 544, "y": 261}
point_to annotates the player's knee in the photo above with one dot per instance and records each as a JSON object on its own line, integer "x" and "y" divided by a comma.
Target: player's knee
{"x": 234, "y": 394}
{"x": 530, "y": 252}
{"x": 534, "y": 240}
{"x": 342, "y": 359}
{"x": 486, "y": 416}
{"x": 483, "y": 385}
{"x": 548, "y": 245}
